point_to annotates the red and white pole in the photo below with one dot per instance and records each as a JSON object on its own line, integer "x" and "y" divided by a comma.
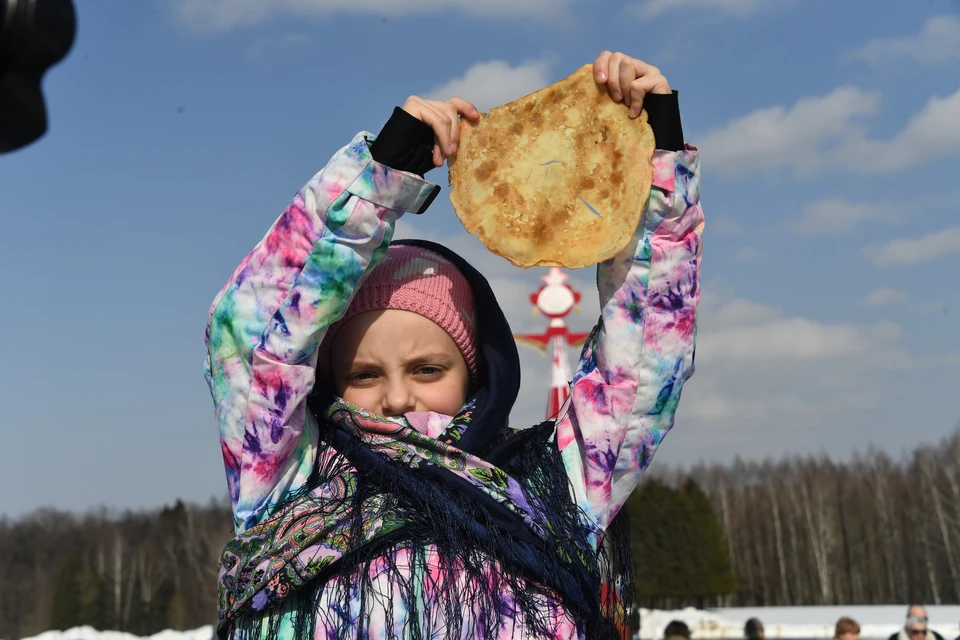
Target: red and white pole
{"x": 555, "y": 300}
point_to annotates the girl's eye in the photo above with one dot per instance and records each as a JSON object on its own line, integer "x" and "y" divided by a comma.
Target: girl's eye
{"x": 429, "y": 371}
{"x": 361, "y": 377}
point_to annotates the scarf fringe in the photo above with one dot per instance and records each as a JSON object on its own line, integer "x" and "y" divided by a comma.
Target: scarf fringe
{"x": 484, "y": 579}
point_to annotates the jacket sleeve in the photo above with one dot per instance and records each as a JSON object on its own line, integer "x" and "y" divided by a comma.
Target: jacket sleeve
{"x": 626, "y": 388}
{"x": 266, "y": 323}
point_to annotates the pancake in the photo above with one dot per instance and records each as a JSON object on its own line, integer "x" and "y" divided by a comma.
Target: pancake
{"x": 557, "y": 178}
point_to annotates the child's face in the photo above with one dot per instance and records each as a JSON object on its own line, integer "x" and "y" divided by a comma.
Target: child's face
{"x": 393, "y": 362}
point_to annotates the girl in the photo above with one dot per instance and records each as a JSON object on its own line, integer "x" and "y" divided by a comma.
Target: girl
{"x": 362, "y": 390}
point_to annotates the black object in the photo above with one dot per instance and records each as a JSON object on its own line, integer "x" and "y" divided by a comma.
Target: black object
{"x": 34, "y": 36}
{"x": 663, "y": 115}
{"x": 405, "y": 143}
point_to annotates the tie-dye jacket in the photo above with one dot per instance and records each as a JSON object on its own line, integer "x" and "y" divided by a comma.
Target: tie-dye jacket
{"x": 266, "y": 324}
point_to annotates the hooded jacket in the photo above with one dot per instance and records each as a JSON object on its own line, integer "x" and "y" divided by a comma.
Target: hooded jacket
{"x": 267, "y": 322}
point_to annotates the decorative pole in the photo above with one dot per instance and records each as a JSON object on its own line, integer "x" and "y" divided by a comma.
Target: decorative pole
{"x": 555, "y": 299}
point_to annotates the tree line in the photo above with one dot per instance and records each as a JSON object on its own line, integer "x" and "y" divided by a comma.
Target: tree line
{"x": 811, "y": 531}
{"x": 799, "y": 531}
{"x": 140, "y": 572}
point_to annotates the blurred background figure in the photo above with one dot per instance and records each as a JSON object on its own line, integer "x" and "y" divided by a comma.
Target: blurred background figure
{"x": 915, "y": 627}
{"x": 847, "y": 629}
{"x": 676, "y": 630}
{"x": 753, "y": 630}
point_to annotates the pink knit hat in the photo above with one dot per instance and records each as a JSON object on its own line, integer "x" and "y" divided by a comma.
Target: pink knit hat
{"x": 418, "y": 280}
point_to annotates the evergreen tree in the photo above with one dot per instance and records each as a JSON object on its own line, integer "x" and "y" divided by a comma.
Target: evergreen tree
{"x": 177, "y": 611}
{"x": 77, "y": 597}
{"x": 654, "y": 516}
{"x": 678, "y": 546}
{"x": 65, "y": 609}
{"x": 91, "y": 596}
{"x": 712, "y": 572}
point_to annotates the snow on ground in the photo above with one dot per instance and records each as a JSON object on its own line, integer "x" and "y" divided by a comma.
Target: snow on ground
{"x": 787, "y": 623}
{"x": 89, "y": 633}
{"x": 876, "y": 622}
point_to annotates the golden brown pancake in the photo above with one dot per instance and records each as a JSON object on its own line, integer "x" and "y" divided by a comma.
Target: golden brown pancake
{"x": 557, "y": 178}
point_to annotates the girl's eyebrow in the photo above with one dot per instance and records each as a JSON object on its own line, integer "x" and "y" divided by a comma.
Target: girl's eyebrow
{"x": 363, "y": 364}
{"x": 419, "y": 358}
{"x": 438, "y": 356}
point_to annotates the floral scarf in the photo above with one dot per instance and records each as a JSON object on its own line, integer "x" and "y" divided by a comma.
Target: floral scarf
{"x": 379, "y": 485}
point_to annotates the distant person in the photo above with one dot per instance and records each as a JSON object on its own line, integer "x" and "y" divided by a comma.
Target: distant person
{"x": 753, "y": 630}
{"x": 915, "y": 627}
{"x": 676, "y": 630}
{"x": 847, "y": 629}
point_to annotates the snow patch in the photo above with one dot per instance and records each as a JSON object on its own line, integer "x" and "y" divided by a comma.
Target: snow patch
{"x": 89, "y": 633}
{"x": 780, "y": 623}
{"x": 796, "y": 623}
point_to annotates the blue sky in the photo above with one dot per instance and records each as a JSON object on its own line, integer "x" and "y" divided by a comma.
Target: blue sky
{"x": 180, "y": 128}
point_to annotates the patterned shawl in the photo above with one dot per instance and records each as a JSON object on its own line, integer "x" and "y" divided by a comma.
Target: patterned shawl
{"x": 471, "y": 509}
{"x": 480, "y": 495}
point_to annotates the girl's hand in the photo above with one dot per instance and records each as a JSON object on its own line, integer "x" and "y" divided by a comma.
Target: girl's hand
{"x": 628, "y": 79}
{"x": 443, "y": 117}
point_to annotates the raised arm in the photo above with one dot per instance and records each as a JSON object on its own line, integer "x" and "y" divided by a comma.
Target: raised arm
{"x": 267, "y": 322}
{"x": 625, "y": 391}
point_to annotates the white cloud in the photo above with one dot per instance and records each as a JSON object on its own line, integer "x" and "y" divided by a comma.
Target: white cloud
{"x": 834, "y": 216}
{"x": 769, "y": 382}
{"x": 792, "y": 137}
{"x": 491, "y": 84}
{"x": 911, "y": 251}
{"x": 650, "y": 9}
{"x": 837, "y": 216}
{"x": 791, "y": 341}
{"x": 937, "y": 43}
{"x": 883, "y": 297}
{"x": 933, "y": 132}
{"x": 821, "y": 132}
{"x": 220, "y": 15}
